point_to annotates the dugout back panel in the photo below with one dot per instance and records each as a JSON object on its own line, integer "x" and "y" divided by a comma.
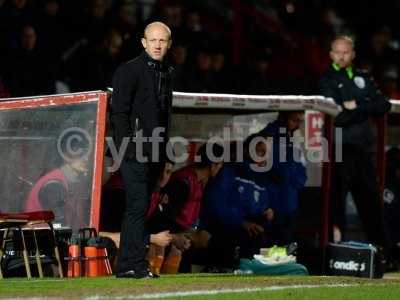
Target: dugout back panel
{"x": 42, "y": 134}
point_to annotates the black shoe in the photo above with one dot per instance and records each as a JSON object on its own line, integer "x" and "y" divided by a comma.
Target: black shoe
{"x": 146, "y": 274}
{"x": 137, "y": 274}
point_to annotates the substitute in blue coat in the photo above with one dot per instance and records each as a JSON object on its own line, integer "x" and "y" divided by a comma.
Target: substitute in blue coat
{"x": 235, "y": 211}
{"x": 233, "y": 200}
{"x": 289, "y": 164}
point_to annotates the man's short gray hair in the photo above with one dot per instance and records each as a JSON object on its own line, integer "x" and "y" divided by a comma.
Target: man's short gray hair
{"x": 161, "y": 24}
{"x": 343, "y": 38}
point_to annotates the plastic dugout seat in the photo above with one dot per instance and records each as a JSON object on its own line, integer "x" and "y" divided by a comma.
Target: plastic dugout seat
{"x": 29, "y": 220}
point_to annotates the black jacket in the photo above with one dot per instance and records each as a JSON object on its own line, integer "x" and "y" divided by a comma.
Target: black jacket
{"x": 370, "y": 101}
{"x": 141, "y": 100}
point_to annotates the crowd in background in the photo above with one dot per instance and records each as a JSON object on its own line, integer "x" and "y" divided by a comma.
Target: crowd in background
{"x": 261, "y": 47}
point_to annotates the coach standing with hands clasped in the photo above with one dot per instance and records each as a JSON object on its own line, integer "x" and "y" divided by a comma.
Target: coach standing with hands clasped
{"x": 359, "y": 99}
{"x": 141, "y": 106}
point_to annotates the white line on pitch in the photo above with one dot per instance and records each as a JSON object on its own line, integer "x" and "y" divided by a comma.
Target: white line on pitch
{"x": 214, "y": 292}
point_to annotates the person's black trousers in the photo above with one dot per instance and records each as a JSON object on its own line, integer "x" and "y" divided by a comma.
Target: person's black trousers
{"x": 222, "y": 248}
{"x": 283, "y": 228}
{"x": 357, "y": 174}
{"x": 139, "y": 180}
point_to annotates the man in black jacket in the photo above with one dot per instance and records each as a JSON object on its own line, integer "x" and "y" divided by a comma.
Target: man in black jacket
{"x": 141, "y": 109}
{"x": 355, "y": 92}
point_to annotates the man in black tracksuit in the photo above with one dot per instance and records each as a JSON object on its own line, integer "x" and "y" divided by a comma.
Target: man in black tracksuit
{"x": 141, "y": 102}
{"x": 359, "y": 99}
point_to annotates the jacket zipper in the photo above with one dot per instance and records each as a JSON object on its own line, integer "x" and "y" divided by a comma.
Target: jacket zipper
{"x": 159, "y": 83}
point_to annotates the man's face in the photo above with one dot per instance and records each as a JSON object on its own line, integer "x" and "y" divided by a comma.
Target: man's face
{"x": 115, "y": 44}
{"x": 203, "y": 61}
{"x": 98, "y": 8}
{"x": 342, "y": 53}
{"x": 80, "y": 165}
{"x": 156, "y": 42}
{"x": 294, "y": 121}
{"x": 263, "y": 152}
{"x": 28, "y": 38}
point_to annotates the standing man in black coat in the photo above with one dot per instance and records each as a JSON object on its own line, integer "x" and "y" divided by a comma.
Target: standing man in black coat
{"x": 140, "y": 114}
{"x": 359, "y": 98}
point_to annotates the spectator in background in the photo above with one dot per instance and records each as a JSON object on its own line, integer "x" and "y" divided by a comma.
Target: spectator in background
{"x": 3, "y": 29}
{"x": 87, "y": 23}
{"x": 4, "y": 86}
{"x": 332, "y": 23}
{"x": 4, "y": 92}
{"x": 258, "y": 79}
{"x": 390, "y": 82}
{"x": 200, "y": 77}
{"x": 221, "y": 74}
{"x": 379, "y": 51}
{"x": 50, "y": 24}
{"x": 393, "y": 155}
{"x": 172, "y": 15}
{"x": 193, "y": 25}
{"x": 146, "y": 8}
{"x": 28, "y": 69}
{"x": 93, "y": 25}
{"x": 94, "y": 75}
{"x": 193, "y": 32}
{"x": 289, "y": 165}
{"x": 124, "y": 20}
{"x": 193, "y": 22}
{"x": 54, "y": 37}
{"x": 178, "y": 58}
{"x": 359, "y": 99}
{"x": 14, "y": 15}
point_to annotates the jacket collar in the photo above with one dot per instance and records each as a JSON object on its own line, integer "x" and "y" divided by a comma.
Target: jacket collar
{"x": 349, "y": 70}
{"x": 152, "y": 63}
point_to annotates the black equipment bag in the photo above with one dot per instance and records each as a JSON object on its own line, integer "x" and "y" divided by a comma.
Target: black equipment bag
{"x": 355, "y": 259}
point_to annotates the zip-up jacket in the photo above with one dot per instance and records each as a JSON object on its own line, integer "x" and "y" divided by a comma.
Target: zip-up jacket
{"x": 345, "y": 86}
{"x": 141, "y": 101}
{"x": 292, "y": 173}
{"x": 232, "y": 199}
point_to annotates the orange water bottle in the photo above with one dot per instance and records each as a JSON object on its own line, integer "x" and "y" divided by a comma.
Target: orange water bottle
{"x": 74, "y": 257}
{"x": 155, "y": 256}
{"x": 172, "y": 261}
{"x": 91, "y": 258}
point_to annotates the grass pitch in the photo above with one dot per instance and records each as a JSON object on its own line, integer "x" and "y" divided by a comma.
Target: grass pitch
{"x": 203, "y": 286}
